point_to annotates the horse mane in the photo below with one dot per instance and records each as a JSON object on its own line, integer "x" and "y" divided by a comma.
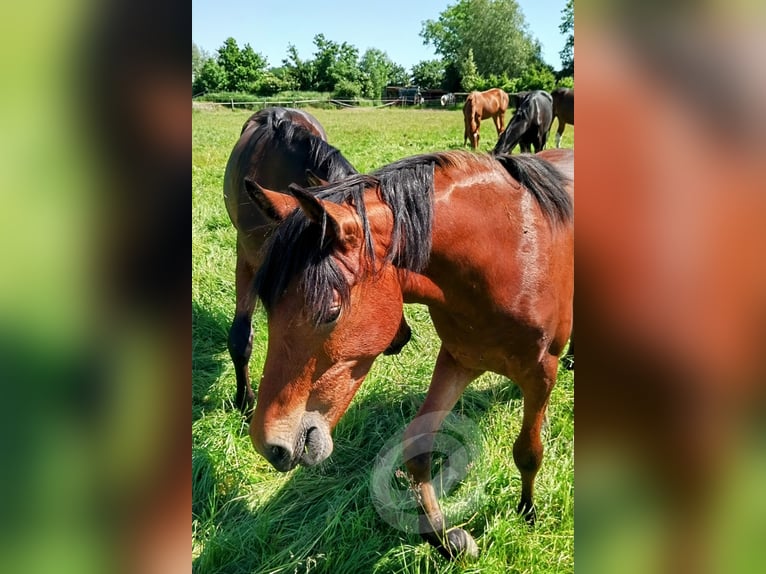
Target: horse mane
{"x": 276, "y": 127}
{"x": 544, "y": 181}
{"x": 297, "y": 247}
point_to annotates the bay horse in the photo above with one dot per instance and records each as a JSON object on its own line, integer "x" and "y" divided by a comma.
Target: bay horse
{"x": 277, "y": 146}
{"x": 478, "y": 106}
{"x": 343, "y": 260}
{"x": 563, "y": 109}
{"x": 529, "y": 125}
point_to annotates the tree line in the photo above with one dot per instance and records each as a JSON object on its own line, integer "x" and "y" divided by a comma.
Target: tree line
{"x": 481, "y": 44}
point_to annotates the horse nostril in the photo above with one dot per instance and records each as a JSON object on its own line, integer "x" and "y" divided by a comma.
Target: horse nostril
{"x": 279, "y": 457}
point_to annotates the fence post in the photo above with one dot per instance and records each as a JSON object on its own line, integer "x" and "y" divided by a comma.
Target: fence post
{"x": 232, "y": 103}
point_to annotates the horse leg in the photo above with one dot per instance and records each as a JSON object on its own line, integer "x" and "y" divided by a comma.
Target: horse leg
{"x": 536, "y": 387}
{"x": 447, "y": 384}
{"x": 568, "y": 359}
{"x": 559, "y": 132}
{"x": 241, "y": 332}
{"x": 499, "y": 123}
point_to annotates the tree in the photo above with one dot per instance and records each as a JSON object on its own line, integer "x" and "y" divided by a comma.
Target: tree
{"x": 495, "y": 30}
{"x": 567, "y": 28}
{"x": 377, "y": 70}
{"x": 302, "y": 73}
{"x": 469, "y": 75}
{"x": 242, "y": 68}
{"x": 334, "y": 62}
{"x": 428, "y": 74}
{"x": 197, "y": 60}
{"x": 211, "y": 78}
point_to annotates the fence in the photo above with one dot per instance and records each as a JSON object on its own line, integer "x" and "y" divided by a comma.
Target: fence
{"x": 328, "y": 103}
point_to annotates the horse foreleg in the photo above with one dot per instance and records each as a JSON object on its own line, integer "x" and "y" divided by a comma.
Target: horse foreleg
{"x": 568, "y": 359}
{"x": 528, "y": 448}
{"x": 475, "y": 128}
{"x": 447, "y": 384}
{"x": 241, "y": 332}
{"x": 559, "y": 132}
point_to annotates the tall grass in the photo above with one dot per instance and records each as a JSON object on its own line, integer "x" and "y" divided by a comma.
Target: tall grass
{"x": 247, "y": 517}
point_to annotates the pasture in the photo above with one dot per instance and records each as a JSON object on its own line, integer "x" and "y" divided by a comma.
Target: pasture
{"x": 249, "y": 518}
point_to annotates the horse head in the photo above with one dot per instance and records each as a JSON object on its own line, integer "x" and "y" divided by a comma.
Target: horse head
{"x": 332, "y": 308}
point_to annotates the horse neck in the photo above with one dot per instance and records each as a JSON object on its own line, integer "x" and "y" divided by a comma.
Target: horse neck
{"x": 458, "y": 220}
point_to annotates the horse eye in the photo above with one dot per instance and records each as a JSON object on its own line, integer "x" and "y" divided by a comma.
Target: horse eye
{"x": 332, "y": 314}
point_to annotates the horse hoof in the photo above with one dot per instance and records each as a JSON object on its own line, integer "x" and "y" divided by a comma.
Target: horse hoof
{"x": 460, "y": 544}
{"x": 528, "y": 512}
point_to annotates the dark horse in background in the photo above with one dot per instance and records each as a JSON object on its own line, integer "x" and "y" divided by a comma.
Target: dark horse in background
{"x": 344, "y": 259}
{"x": 479, "y": 106}
{"x": 530, "y": 125}
{"x": 277, "y": 147}
{"x": 563, "y": 109}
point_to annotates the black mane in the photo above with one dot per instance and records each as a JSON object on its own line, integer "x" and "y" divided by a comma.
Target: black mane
{"x": 297, "y": 247}
{"x": 276, "y": 127}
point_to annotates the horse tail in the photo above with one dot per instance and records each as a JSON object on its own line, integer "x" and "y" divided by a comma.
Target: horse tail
{"x": 545, "y": 182}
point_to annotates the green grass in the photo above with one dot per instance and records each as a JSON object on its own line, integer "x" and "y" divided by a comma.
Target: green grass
{"x": 247, "y": 517}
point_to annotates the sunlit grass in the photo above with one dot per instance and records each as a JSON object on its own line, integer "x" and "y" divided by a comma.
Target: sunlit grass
{"x": 247, "y": 517}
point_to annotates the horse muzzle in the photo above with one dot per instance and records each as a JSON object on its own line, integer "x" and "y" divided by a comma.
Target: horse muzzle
{"x": 311, "y": 445}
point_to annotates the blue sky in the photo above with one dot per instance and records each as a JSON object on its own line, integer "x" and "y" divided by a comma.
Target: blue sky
{"x": 392, "y": 26}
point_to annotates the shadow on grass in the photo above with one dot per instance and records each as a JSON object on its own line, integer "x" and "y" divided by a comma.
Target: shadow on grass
{"x": 322, "y": 519}
{"x": 209, "y": 337}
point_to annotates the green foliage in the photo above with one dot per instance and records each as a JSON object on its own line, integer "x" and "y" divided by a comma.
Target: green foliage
{"x": 398, "y": 76}
{"x": 537, "y": 78}
{"x": 235, "y": 69}
{"x": 377, "y": 71}
{"x": 270, "y": 84}
{"x": 452, "y": 77}
{"x": 334, "y": 62}
{"x": 428, "y": 74}
{"x": 210, "y": 78}
{"x": 566, "y": 82}
{"x": 502, "y": 81}
{"x": 197, "y": 60}
{"x": 495, "y": 30}
{"x": 567, "y": 28}
{"x": 301, "y": 72}
{"x": 469, "y": 75}
{"x": 347, "y": 90}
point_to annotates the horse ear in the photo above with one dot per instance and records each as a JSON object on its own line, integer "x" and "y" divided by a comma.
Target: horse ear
{"x": 314, "y": 180}
{"x": 336, "y": 221}
{"x": 276, "y": 206}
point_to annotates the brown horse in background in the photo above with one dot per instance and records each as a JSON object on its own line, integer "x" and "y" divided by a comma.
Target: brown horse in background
{"x": 563, "y": 109}
{"x": 277, "y": 147}
{"x": 345, "y": 257}
{"x": 479, "y": 106}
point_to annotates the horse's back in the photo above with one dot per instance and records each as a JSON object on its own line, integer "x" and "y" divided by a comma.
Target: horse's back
{"x": 267, "y": 151}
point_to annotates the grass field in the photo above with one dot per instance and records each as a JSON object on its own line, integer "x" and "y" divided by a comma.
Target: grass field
{"x": 249, "y": 518}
